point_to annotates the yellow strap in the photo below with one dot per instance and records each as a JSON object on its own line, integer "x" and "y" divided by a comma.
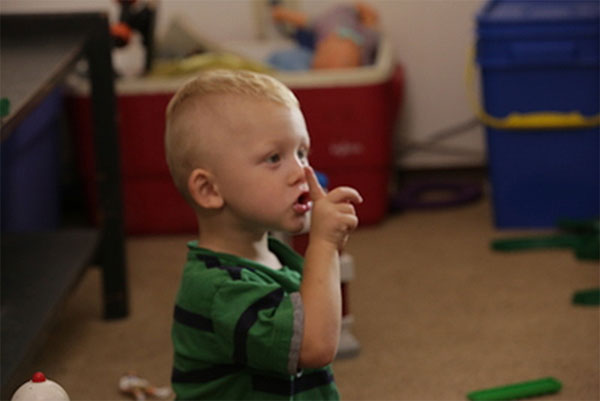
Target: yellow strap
{"x": 521, "y": 121}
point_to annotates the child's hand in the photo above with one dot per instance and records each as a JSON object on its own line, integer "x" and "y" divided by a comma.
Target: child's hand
{"x": 333, "y": 214}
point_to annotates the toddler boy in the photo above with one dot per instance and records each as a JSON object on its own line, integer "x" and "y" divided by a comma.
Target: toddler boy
{"x": 252, "y": 319}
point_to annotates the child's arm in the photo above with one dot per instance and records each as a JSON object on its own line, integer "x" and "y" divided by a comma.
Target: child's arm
{"x": 333, "y": 218}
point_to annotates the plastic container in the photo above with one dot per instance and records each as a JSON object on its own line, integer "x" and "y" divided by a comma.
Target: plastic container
{"x": 350, "y": 116}
{"x": 31, "y": 170}
{"x": 540, "y": 75}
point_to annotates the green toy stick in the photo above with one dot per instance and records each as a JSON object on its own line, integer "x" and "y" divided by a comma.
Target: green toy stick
{"x": 589, "y": 297}
{"x": 518, "y": 390}
{"x": 581, "y": 236}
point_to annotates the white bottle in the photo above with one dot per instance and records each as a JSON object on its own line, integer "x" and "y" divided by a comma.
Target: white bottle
{"x": 40, "y": 389}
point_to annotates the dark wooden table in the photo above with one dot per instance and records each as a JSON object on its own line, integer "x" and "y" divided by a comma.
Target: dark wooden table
{"x": 37, "y": 51}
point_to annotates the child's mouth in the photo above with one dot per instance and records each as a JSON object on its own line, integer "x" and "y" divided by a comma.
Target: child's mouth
{"x": 303, "y": 203}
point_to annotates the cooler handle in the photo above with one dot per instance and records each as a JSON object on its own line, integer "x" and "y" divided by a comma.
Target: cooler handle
{"x": 523, "y": 121}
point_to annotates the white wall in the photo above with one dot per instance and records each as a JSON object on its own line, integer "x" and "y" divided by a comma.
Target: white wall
{"x": 431, "y": 40}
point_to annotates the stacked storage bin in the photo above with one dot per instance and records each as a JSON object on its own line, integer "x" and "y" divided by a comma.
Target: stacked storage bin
{"x": 539, "y": 63}
{"x": 31, "y": 170}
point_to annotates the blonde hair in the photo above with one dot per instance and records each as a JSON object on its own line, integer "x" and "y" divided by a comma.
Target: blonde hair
{"x": 179, "y": 142}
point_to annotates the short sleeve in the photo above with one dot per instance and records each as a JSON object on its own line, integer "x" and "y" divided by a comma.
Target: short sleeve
{"x": 259, "y": 324}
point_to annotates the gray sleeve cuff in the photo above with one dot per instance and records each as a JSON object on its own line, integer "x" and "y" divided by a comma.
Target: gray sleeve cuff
{"x": 296, "y": 341}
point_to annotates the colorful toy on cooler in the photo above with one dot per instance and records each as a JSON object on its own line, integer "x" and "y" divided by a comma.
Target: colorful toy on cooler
{"x": 531, "y": 388}
{"x": 139, "y": 16}
{"x": 344, "y": 37}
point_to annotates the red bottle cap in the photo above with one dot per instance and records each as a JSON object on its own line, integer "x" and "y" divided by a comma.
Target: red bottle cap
{"x": 38, "y": 377}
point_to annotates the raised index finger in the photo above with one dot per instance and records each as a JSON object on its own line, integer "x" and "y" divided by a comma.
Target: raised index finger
{"x": 314, "y": 188}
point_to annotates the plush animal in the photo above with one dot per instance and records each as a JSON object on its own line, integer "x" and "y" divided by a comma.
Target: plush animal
{"x": 344, "y": 37}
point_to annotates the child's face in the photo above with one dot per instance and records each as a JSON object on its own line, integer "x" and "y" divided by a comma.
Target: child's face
{"x": 261, "y": 174}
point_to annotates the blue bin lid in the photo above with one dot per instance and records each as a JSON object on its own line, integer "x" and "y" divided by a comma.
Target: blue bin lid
{"x": 539, "y": 18}
{"x": 540, "y": 10}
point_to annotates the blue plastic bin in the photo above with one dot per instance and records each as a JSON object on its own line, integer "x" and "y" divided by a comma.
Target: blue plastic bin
{"x": 30, "y": 170}
{"x": 541, "y": 57}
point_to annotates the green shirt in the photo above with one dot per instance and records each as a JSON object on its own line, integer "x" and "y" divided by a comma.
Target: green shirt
{"x": 237, "y": 330}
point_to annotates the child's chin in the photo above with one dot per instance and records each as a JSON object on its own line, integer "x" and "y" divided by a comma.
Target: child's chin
{"x": 301, "y": 227}
{"x": 295, "y": 231}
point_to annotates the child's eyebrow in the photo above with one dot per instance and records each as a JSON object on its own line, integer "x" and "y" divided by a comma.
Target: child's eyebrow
{"x": 281, "y": 140}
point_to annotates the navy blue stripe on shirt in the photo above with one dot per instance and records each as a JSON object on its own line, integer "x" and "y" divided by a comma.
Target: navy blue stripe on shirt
{"x": 192, "y": 319}
{"x": 234, "y": 271}
{"x": 204, "y": 375}
{"x": 211, "y": 262}
{"x": 312, "y": 380}
{"x": 248, "y": 318}
{"x": 283, "y": 387}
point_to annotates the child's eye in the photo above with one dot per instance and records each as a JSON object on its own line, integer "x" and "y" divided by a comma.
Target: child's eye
{"x": 302, "y": 154}
{"x": 274, "y": 158}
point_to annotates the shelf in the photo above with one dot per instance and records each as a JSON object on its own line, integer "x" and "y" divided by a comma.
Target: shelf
{"x": 38, "y": 272}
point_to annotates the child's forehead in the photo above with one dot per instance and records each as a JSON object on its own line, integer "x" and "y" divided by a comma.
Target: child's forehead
{"x": 236, "y": 112}
{"x": 210, "y": 108}
{"x": 250, "y": 118}
{"x": 239, "y": 100}
{"x": 228, "y": 107}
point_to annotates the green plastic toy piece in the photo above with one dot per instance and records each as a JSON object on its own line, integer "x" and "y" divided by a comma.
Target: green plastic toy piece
{"x": 531, "y": 388}
{"x": 589, "y": 297}
{"x": 4, "y": 107}
{"x": 581, "y": 236}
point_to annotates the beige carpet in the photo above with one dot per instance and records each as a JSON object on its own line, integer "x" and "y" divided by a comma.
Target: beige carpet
{"x": 436, "y": 312}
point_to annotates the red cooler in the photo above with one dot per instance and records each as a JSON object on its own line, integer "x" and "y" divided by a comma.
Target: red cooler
{"x": 350, "y": 115}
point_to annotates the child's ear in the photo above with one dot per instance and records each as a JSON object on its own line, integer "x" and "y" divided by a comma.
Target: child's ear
{"x": 203, "y": 190}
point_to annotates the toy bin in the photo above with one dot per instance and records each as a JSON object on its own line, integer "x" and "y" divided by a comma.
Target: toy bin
{"x": 539, "y": 63}
{"x": 30, "y": 170}
{"x": 349, "y": 113}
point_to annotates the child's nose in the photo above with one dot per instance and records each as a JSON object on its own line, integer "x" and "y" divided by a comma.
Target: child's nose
{"x": 298, "y": 175}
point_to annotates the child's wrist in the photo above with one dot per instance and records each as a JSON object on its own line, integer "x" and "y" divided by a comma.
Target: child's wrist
{"x": 322, "y": 243}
